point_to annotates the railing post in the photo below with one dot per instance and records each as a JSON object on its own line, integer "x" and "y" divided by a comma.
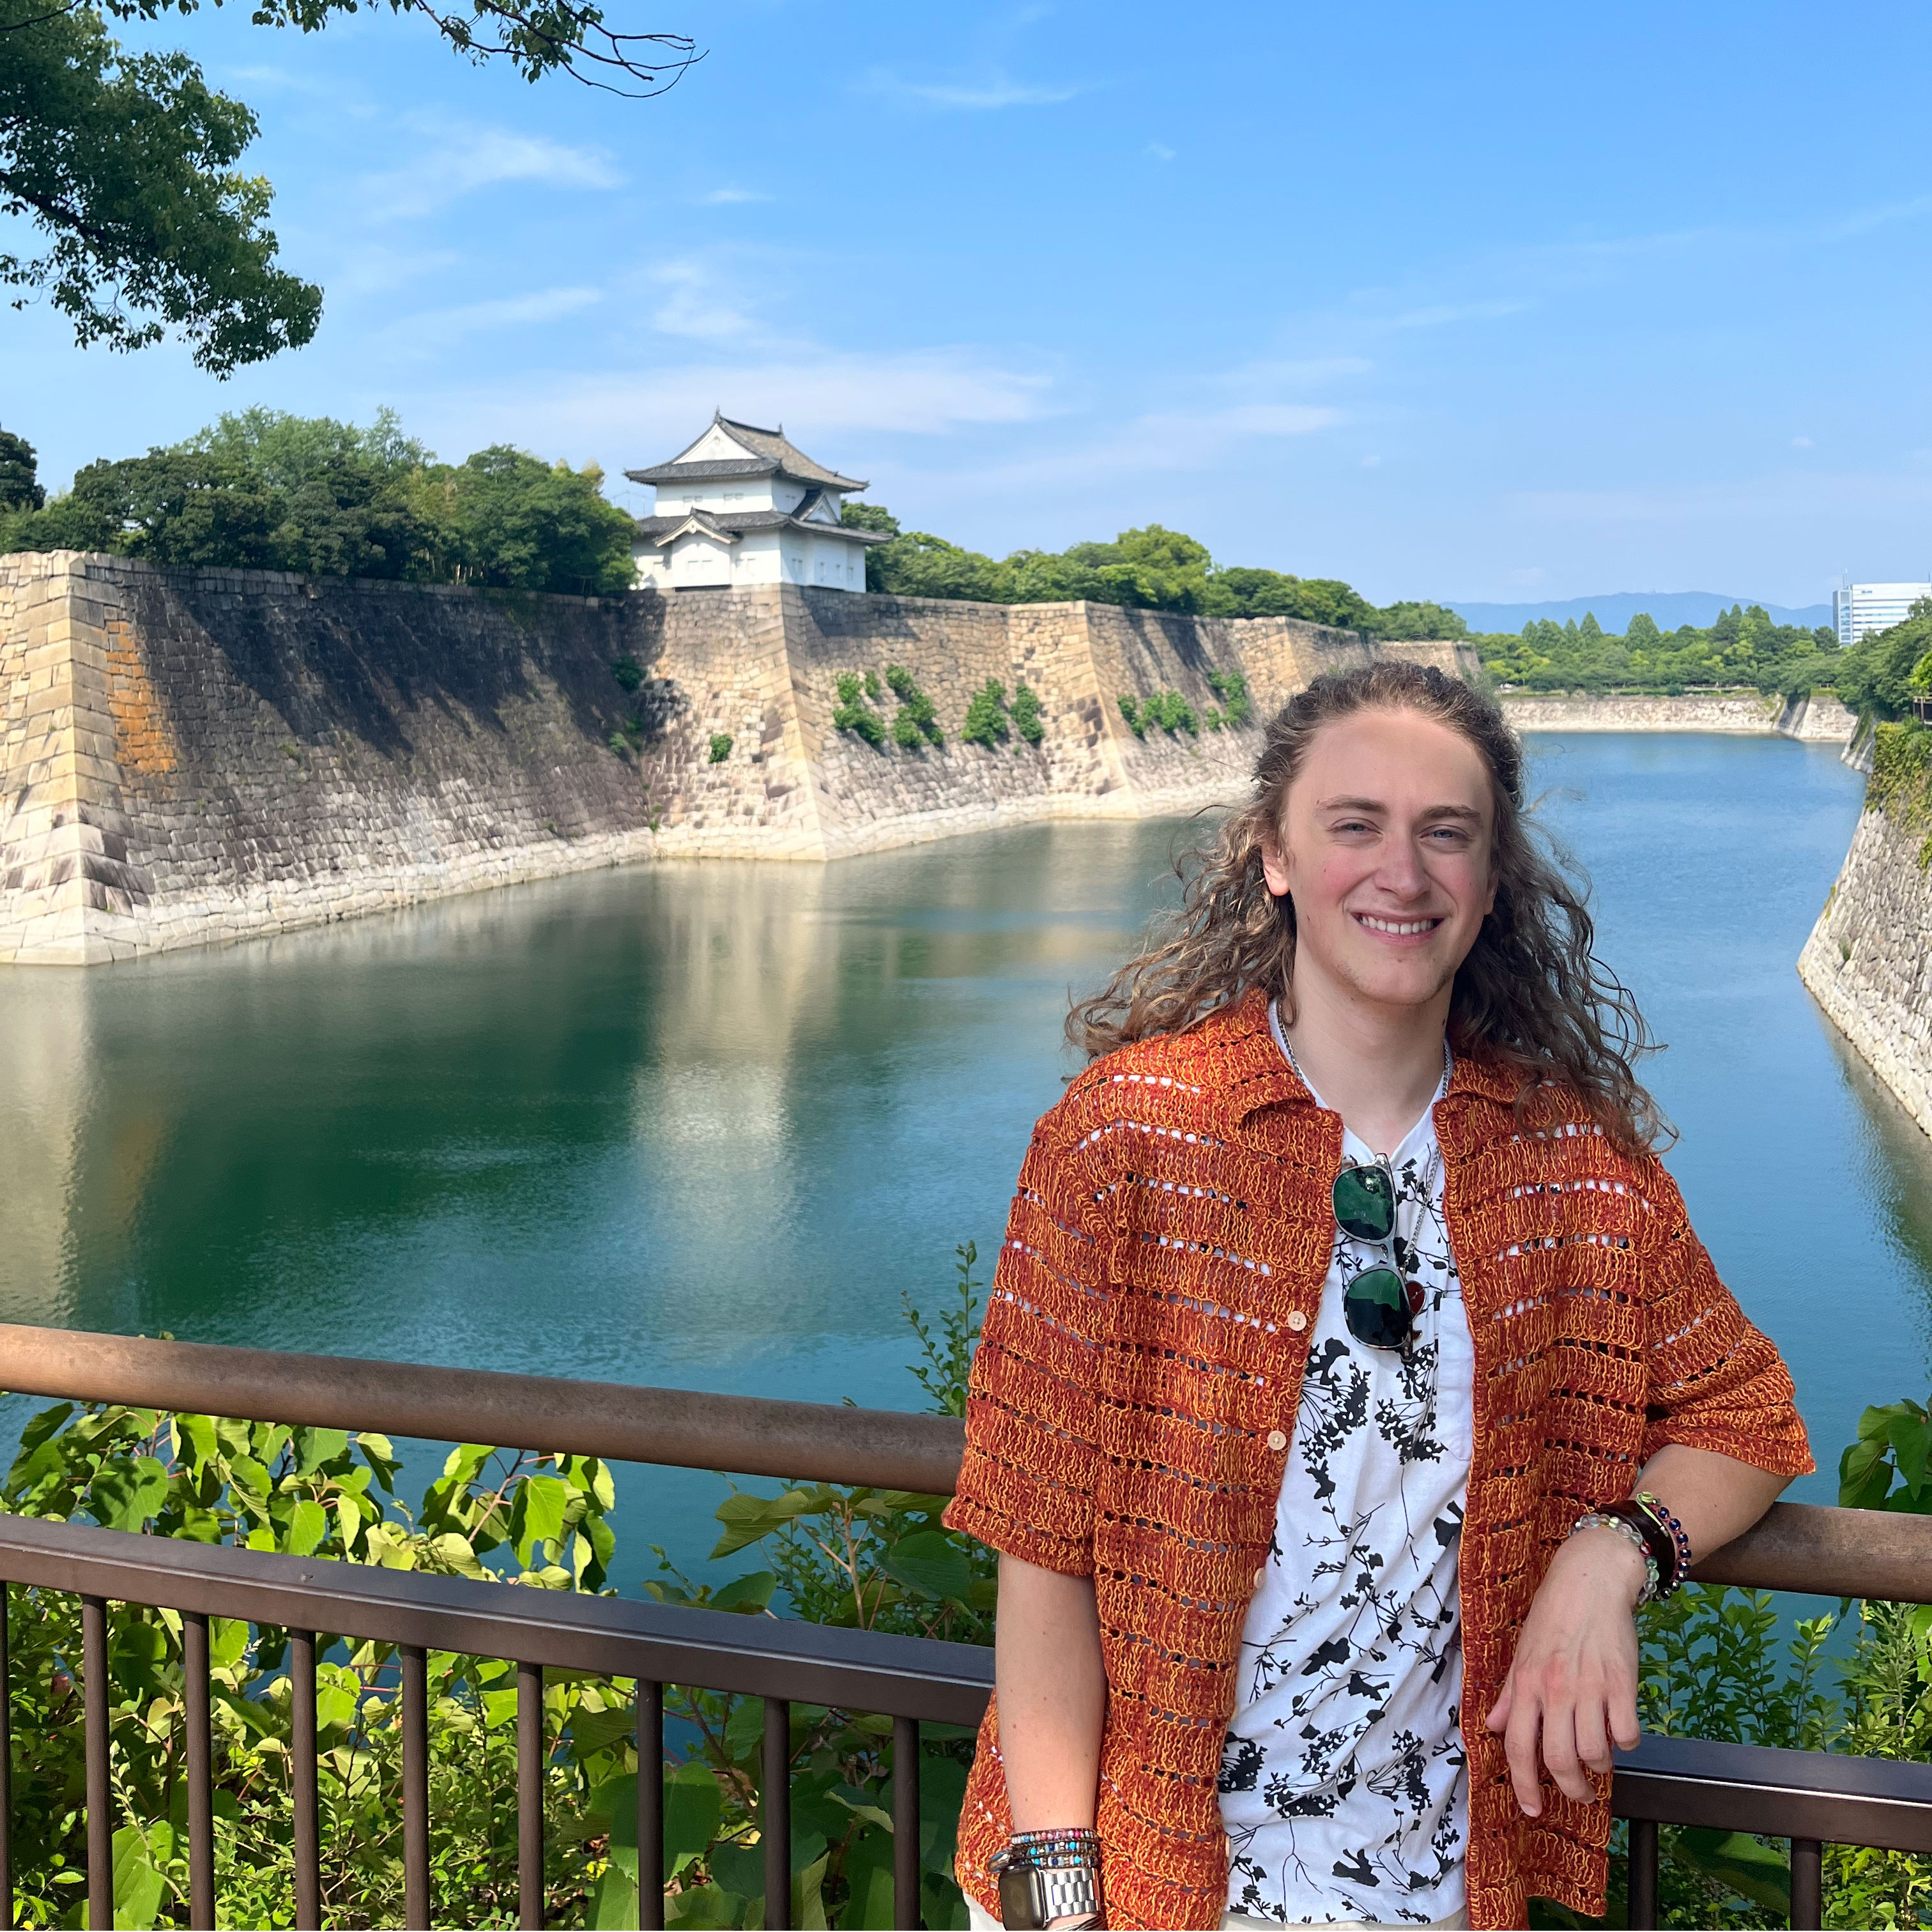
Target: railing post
{"x": 305, "y": 1778}
{"x": 529, "y": 1797}
{"x": 200, "y": 1755}
{"x": 905, "y": 1822}
{"x": 650, "y": 1806}
{"x": 95, "y": 1691}
{"x": 774, "y": 1813}
{"x": 1643, "y": 1873}
{"x": 415, "y": 1785}
{"x": 1807, "y": 1884}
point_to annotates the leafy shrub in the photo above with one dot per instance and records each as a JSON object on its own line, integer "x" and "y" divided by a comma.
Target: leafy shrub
{"x": 872, "y": 690}
{"x": 1232, "y": 688}
{"x": 852, "y": 713}
{"x": 1170, "y": 710}
{"x": 859, "y": 1557}
{"x": 628, "y": 672}
{"x": 1027, "y": 721}
{"x": 986, "y": 716}
{"x": 915, "y": 710}
{"x": 1131, "y": 712}
{"x": 721, "y": 747}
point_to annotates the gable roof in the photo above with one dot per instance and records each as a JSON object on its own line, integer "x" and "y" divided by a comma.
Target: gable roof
{"x": 729, "y": 525}
{"x": 766, "y": 452}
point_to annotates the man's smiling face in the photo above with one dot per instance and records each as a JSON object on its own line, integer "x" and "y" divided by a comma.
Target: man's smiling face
{"x": 1387, "y": 848}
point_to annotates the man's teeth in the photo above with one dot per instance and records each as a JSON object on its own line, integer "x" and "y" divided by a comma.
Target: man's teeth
{"x": 1399, "y": 925}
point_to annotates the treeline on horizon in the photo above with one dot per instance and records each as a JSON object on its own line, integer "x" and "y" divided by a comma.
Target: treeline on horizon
{"x": 263, "y": 490}
{"x": 1149, "y": 569}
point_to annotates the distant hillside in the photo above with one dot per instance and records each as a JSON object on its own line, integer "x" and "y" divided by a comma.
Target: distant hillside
{"x": 1669, "y": 608}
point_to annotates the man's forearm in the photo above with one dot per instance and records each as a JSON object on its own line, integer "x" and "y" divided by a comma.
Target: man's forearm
{"x": 1714, "y": 1497}
{"x": 1053, "y": 1695}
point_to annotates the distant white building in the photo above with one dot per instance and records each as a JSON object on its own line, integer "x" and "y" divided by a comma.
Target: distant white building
{"x": 742, "y": 505}
{"x": 1862, "y": 608}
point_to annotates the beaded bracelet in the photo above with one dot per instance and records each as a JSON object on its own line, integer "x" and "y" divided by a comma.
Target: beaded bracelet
{"x": 1660, "y": 1513}
{"x": 1062, "y": 1850}
{"x": 1598, "y": 1520}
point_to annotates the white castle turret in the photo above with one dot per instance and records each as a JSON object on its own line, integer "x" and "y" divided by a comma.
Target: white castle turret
{"x": 742, "y": 505}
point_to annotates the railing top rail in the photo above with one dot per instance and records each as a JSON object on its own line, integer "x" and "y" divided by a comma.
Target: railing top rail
{"x": 681, "y": 1428}
{"x": 1798, "y": 1546}
{"x": 756, "y": 1656}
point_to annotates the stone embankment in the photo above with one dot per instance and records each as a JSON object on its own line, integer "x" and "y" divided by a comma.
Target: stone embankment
{"x": 1819, "y": 718}
{"x": 188, "y": 756}
{"x": 1868, "y": 961}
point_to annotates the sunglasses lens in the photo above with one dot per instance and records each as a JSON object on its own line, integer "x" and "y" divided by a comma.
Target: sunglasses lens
{"x": 1376, "y": 1305}
{"x": 1364, "y": 1204}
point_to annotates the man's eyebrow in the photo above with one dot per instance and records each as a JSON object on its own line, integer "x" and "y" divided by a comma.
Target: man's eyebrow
{"x": 1468, "y": 813}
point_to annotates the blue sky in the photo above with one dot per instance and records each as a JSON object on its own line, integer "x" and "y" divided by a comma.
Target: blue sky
{"x": 1492, "y": 302}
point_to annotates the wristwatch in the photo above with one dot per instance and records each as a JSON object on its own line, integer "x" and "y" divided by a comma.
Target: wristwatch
{"x": 1031, "y": 1898}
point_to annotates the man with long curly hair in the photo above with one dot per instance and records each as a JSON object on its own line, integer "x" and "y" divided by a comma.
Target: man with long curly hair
{"x": 1351, "y": 1374}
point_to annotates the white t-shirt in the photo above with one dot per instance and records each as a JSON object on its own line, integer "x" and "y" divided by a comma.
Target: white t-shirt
{"x": 1343, "y": 1784}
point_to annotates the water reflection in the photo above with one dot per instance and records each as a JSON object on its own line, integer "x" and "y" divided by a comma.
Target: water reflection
{"x": 704, "y": 1124}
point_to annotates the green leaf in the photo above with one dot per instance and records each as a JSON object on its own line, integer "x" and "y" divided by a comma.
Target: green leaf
{"x": 308, "y": 1524}
{"x": 614, "y": 1902}
{"x": 748, "y": 1518}
{"x": 691, "y": 1814}
{"x": 126, "y": 1493}
{"x": 1911, "y": 1438}
{"x": 196, "y": 1442}
{"x": 1864, "y": 1474}
{"x": 540, "y": 1501}
{"x": 138, "y": 1885}
{"x": 1738, "y": 1862}
{"x": 747, "y": 1594}
{"x": 703, "y": 1905}
{"x": 315, "y": 1447}
{"x": 931, "y": 1563}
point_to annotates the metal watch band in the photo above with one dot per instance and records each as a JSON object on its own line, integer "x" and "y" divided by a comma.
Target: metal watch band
{"x": 1030, "y": 1898}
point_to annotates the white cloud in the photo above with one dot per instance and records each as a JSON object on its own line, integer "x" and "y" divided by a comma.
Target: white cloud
{"x": 1802, "y": 443}
{"x": 990, "y": 90}
{"x": 1160, "y": 151}
{"x": 721, "y": 197}
{"x": 820, "y": 395}
{"x": 1443, "y": 312}
{"x": 1372, "y": 463}
{"x": 467, "y": 158}
{"x": 697, "y": 305}
{"x": 435, "y": 328}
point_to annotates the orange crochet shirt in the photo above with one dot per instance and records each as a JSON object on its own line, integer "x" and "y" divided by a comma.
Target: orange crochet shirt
{"x": 1164, "y": 1260}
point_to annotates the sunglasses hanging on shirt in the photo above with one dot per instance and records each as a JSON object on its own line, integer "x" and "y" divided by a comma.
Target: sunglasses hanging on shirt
{"x": 1379, "y": 1305}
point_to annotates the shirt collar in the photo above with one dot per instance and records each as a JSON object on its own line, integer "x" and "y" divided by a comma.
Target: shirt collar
{"x": 1255, "y": 1075}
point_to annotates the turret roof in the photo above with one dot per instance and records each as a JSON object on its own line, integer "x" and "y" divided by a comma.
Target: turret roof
{"x": 767, "y": 452}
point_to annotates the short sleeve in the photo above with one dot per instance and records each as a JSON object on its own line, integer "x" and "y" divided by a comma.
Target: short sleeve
{"x": 1715, "y": 1382}
{"x": 1026, "y": 1486}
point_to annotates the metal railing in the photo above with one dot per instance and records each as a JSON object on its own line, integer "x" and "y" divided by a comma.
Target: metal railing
{"x": 1812, "y": 1798}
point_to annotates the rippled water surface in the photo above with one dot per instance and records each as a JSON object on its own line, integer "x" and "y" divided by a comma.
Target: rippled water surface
{"x": 703, "y": 1124}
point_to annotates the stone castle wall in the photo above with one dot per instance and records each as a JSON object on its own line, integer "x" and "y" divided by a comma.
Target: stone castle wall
{"x": 1818, "y": 719}
{"x": 1868, "y": 961}
{"x": 194, "y": 756}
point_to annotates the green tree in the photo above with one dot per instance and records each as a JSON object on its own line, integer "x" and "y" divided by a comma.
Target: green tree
{"x": 174, "y": 506}
{"x": 504, "y": 519}
{"x": 19, "y": 474}
{"x": 1643, "y": 634}
{"x": 123, "y": 165}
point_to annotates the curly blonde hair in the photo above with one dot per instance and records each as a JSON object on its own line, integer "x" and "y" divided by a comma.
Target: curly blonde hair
{"x": 1532, "y": 997}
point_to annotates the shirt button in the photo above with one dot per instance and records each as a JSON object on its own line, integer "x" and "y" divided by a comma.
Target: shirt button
{"x": 1277, "y": 1441}
{"x": 1297, "y": 1320}
{"x": 1261, "y": 1577}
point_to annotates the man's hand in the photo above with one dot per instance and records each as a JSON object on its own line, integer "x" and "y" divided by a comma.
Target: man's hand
{"x": 1572, "y": 1683}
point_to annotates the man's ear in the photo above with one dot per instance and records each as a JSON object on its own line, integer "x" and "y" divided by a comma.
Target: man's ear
{"x": 1274, "y": 865}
